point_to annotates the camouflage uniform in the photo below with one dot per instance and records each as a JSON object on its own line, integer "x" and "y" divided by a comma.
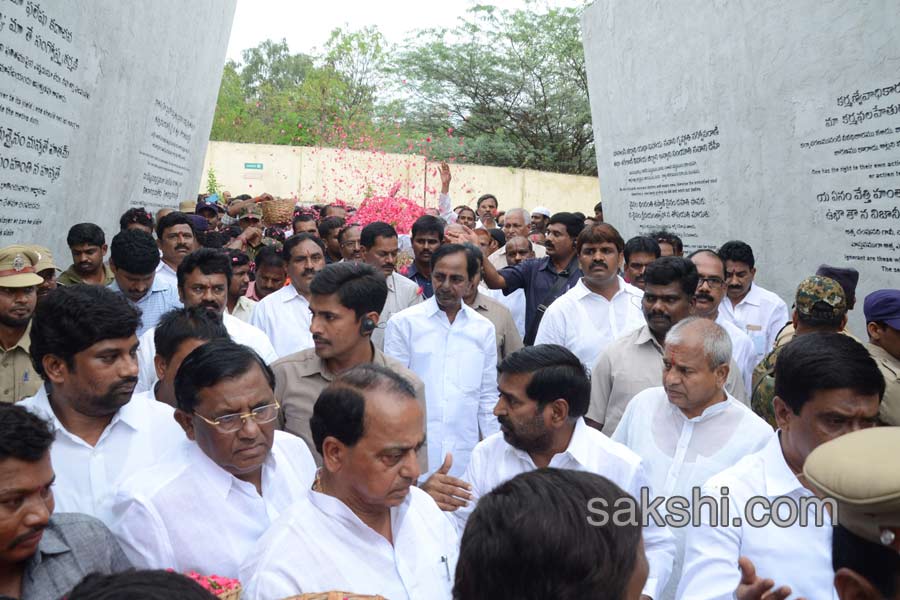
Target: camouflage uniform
{"x": 256, "y": 211}
{"x": 815, "y": 295}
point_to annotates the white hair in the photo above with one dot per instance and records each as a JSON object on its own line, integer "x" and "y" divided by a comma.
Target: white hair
{"x": 525, "y": 214}
{"x": 716, "y": 341}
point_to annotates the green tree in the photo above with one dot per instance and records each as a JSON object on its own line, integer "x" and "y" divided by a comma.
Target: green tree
{"x": 512, "y": 82}
{"x": 271, "y": 65}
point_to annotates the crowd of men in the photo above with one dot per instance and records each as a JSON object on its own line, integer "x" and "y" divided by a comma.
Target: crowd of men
{"x": 305, "y": 409}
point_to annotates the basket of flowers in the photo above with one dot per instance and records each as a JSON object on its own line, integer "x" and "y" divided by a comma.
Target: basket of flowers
{"x": 278, "y": 211}
{"x": 334, "y": 596}
{"x": 221, "y": 587}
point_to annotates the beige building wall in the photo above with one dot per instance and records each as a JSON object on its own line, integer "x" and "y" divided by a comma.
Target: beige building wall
{"x": 323, "y": 174}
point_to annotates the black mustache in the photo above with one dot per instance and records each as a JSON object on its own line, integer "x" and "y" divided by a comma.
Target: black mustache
{"x": 18, "y": 540}
{"x": 182, "y": 247}
{"x": 705, "y": 297}
{"x": 659, "y": 314}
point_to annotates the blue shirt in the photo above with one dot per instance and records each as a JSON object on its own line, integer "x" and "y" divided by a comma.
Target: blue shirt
{"x": 424, "y": 282}
{"x": 161, "y": 298}
{"x": 536, "y": 276}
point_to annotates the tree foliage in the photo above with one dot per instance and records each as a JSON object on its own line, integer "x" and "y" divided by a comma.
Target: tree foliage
{"x": 504, "y": 88}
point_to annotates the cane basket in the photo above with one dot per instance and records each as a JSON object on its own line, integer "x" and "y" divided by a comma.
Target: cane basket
{"x": 278, "y": 212}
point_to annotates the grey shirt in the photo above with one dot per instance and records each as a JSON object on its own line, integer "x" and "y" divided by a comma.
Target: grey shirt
{"x": 73, "y": 546}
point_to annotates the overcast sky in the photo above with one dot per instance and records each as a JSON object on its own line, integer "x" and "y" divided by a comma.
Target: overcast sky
{"x": 307, "y": 24}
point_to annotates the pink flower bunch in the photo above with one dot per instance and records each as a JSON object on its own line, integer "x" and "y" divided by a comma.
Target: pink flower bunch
{"x": 214, "y": 584}
{"x": 401, "y": 213}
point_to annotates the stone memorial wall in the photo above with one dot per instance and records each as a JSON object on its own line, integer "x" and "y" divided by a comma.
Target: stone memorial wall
{"x": 103, "y": 105}
{"x": 777, "y": 123}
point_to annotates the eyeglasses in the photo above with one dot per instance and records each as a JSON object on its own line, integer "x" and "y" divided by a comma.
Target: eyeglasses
{"x": 714, "y": 283}
{"x": 235, "y": 422}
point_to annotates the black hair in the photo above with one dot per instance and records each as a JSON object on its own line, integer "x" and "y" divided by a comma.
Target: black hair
{"x": 601, "y": 233}
{"x": 472, "y": 265}
{"x": 580, "y": 215}
{"x": 238, "y": 258}
{"x": 555, "y": 373}
{"x": 139, "y": 215}
{"x": 667, "y": 237}
{"x": 598, "y": 207}
{"x": 484, "y": 197}
{"x": 243, "y": 197}
{"x": 573, "y": 224}
{"x": 824, "y": 361}
{"x": 498, "y": 236}
{"x": 737, "y": 251}
{"x": 344, "y": 230}
{"x": 373, "y": 231}
{"x": 214, "y": 239}
{"x": 468, "y": 208}
{"x": 328, "y": 225}
{"x": 428, "y": 224}
{"x": 325, "y": 208}
{"x": 297, "y": 239}
{"x": 302, "y": 218}
{"x": 210, "y": 261}
{"x": 23, "y": 435}
{"x": 358, "y": 286}
{"x": 85, "y": 233}
{"x": 712, "y": 253}
{"x": 878, "y": 564}
{"x": 474, "y": 251}
{"x": 180, "y": 324}
{"x": 641, "y": 244}
{"x": 171, "y": 220}
{"x": 72, "y": 318}
{"x": 339, "y": 411}
{"x": 211, "y": 363}
{"x": 673, "y": 269}
{"x": 528, "y": 539}
{"x": 134, "y": 251}
{"x": 139, "y": 585}
{"x": 269, "y": 256}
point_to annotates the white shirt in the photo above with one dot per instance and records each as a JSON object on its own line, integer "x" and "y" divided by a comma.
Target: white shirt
{"x": 243, "y": 309}
{"x": 680, "y": 453}
{"x": 319, "y": 544}
{"x": 498, "y": 258}
{"x": 458, "y": 364}
{"x": 494, "y": 461}
{"x": 742, "y": 351}
{"x": 284, "y": 317}
{"x": 166, "y": 274}
{"x": 586, "y": 322}
{"x": 240, "y": 333}
{"x": 799, "y": 557}
{"x": 403, "y": 292}
{"x": 515, "y": 302}
{"x": 88, "y": 477}
{"x": 761, "y": 314}
{"x": 188, "y": 513}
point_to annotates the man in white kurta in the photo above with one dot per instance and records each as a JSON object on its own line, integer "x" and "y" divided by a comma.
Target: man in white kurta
{"x": 239, "y": 331}
{"x": 704, "y": 430}
{"x": 752, "y": 308}
{"x": 826, "y": 385}
{"x": 586, "y": 323}
{"x": 456, "y": 359}
{"x": 364, "y": 528}
{"x": 710, "y": 293}
{"x": 87, "y": 477}
{"x": 567, "y": 443}
{"x": 283, "y": 316}
{"x": 188, "y": 513}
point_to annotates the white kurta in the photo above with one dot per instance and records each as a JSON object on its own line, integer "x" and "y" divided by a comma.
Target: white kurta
{"x": 458, "y": 364}
{"x": 742, "y": 351}
{"x": 799, "y": 557}
{"x": 320, "y": 544}
{"x": 586, "y": 323}
{"x": 188, "y": 513}
{"x": 495, "y": 461}
{"x": 680, "y": 454}
{"x": 284, "y": 317}
{"x": 88, "y": 477}
{"x": 761, "y": 315}
{"x": 240, "y": 332}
